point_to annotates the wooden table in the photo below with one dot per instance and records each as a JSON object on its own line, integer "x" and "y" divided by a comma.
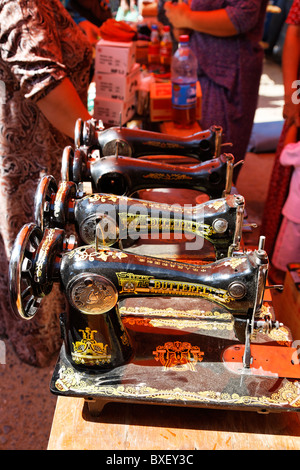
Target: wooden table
{"x": 150, "y": 427}
{"x": 127, "y": 426}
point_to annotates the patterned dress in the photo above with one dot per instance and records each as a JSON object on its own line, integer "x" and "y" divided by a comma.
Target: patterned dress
{"x": 229, "y": 70}
{"x": 280, "y": 176}
{"x": 40, "y": 46}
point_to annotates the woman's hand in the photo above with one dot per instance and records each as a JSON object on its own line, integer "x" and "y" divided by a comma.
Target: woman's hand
{"x": 214, "y": 22}
{"x": 177, "y": 32}
{"x": 178, "y": 14}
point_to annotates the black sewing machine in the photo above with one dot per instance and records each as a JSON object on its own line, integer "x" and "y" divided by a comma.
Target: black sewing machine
{"x": 126, "y": 175}
{"x": 135, "y": 143}
{"x": 120, "y": 221}
{"x": 147, "y": 330}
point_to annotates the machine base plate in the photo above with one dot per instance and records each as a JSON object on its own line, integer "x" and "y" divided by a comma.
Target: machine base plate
{"x": 192, "y": 360}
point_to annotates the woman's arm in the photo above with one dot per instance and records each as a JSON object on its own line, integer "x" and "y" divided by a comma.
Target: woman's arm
{"x": 291, "y": 135}
{"x": 290, "y": 70}
{"x": 62, "y": 106}
{"x": 214, "y": 22}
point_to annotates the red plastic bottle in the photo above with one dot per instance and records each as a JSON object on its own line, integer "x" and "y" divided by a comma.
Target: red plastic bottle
{"x": 166, "y": 48}
{"x": 154, "y": 50}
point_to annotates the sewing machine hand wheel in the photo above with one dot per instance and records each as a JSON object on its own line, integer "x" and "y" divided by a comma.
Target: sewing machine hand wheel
{"x": 85, "y": 132}
{"x": 25, "y": 294}
{"x": 67, "y": 164}
{"x": 79, "y": 165}
{"x": 44, "y": 195}
{"x": 31, "y": 268}
{"x": 73, "y": 165}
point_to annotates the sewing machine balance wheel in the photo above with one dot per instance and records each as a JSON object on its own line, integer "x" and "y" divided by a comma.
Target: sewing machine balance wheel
{"x": 67, "y": 164}
{"x": 73, "y": 165}
{"x": 44, "y": 195}
{"x": 85, "y": 132}
{"x": 32, "y": 267}
{"x": 25, "y": 294}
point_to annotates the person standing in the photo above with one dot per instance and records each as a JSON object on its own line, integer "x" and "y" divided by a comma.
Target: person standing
{"x": 287, "y": 246}
{"x": 225, "y": 37}
{"x": 45, "y": 62}
{"x": 281, "y": 175}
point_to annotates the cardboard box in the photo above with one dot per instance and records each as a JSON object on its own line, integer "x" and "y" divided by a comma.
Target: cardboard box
{"x": 161, "y": 101}
{"x": 288, "y": 302}
{"x": 114, "y": 87}
{"x": 114, "y": 57}
{"x": 294, "y": 271}
{"x": 142, "y": 52}
{"x": 110, "y": 111}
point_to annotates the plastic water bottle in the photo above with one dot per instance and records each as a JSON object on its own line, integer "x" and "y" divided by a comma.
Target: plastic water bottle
{"x": 184, "y": 79}
{"x": 166, "y": 47}
{"x": 154, "y": 49}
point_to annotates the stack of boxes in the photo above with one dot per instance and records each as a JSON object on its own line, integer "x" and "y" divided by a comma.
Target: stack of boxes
{"x": 116, "y": 79}
{"x": 161, "y": 101}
